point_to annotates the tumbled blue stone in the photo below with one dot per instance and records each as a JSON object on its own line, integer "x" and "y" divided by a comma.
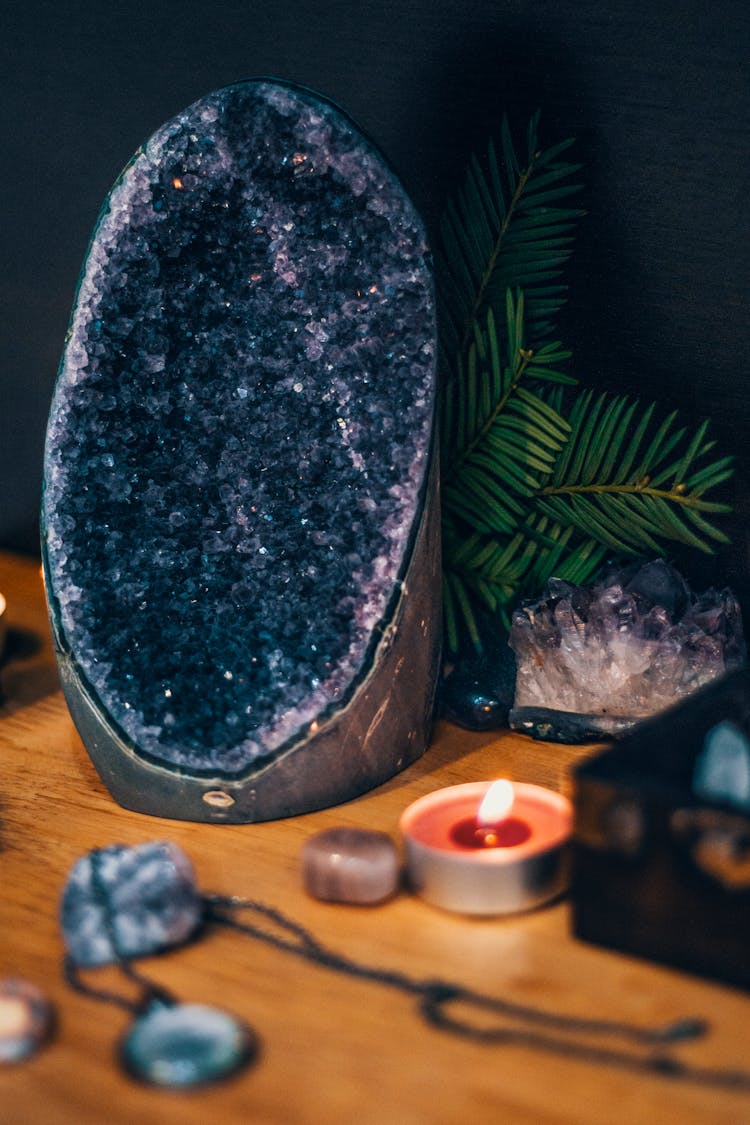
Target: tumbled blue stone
{"x": 477, "y": 691}
{"x": 183, "y": 1045}
{"x": 119, "y": 903}
{"x": 239, "y": 438}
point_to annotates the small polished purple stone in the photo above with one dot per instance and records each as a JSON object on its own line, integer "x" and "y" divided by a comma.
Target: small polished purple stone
{"x": 354, "y": 865}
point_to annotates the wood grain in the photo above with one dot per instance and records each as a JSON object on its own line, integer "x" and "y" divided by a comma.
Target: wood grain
{"x": 335, "y": 1050}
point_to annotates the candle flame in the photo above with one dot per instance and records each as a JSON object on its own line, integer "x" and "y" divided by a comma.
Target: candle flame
{"x": 496, "y": 803}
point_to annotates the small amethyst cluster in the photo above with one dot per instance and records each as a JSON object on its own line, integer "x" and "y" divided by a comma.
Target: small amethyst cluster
{"x": 595, "y": 659}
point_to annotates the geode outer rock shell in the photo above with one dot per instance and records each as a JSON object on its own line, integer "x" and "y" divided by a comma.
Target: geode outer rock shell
{"x": 240, "y": 526}
{"x": 594, "y": 660}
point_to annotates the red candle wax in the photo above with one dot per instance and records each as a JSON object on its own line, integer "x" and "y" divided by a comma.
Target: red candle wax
{"x": 432, "y": 821}
{"x": 506, "y": 833}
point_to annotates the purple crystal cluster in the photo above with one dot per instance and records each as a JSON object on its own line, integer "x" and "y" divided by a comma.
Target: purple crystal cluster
{"x": 239, "y": 437}
{"x": 606, "y": 655}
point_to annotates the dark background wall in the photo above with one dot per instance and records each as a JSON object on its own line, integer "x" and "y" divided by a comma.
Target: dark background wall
{"x": 657, "y": 93}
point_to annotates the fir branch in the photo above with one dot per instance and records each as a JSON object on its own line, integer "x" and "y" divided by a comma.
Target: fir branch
{"x": 503, "y": 229}
{"x": 502, "y": 438}
{"x": 602, "y": 487}
{"x": 532, "y": 488}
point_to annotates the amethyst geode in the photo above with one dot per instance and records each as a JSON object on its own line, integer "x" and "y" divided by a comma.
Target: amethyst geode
{"x": 594, "y": 660}
{"x": 239, "y": 521}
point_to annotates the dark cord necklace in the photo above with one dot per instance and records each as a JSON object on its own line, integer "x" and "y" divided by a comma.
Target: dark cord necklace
{"x": 168, "y": 1043}
{"x": 437, "y": 1002}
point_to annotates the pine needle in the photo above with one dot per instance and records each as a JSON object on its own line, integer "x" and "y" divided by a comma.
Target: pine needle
{"x": 535, "y": 485}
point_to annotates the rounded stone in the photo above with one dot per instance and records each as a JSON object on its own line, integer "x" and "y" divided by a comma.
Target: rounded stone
{"x": 475, "y": 697}
{"x": 184, "y": 1045}
{"x": 25, "y": 1019}
{"x": 354, "y": 865}
{"x": 477, "y": 690}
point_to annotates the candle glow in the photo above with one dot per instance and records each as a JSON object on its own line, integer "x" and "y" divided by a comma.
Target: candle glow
{"x": 493, "y": 826}
{"x": 496, "y": 803}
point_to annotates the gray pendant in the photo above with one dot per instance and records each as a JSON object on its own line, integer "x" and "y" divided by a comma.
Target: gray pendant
{"x": 184, "y": 1045}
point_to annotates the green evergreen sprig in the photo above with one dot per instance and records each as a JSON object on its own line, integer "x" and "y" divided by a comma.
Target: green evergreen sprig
{"x": 505, "y": 229}
{"x": 533, "y": 484}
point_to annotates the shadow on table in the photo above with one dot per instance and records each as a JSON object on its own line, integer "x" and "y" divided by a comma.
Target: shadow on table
{"x": 27, "y": 674}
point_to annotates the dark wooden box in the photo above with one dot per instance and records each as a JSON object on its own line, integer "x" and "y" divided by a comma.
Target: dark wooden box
{"x": 657, "y": 870}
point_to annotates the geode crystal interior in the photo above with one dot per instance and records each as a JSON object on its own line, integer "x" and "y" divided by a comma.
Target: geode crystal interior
{"x": 594, "y": 660}
{"x": 238, "y": 518}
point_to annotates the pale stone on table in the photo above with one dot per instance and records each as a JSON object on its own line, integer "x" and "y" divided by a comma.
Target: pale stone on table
{"x": 353, "y": 865}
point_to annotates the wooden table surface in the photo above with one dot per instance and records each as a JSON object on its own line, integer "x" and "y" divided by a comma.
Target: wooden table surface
{"x": 335, "y": 1050}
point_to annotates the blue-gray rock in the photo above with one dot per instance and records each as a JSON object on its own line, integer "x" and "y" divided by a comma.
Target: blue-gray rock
{"x": 594, "y": 660}
{"x": 237, "y": 491}
{"x": 125, "y": 902}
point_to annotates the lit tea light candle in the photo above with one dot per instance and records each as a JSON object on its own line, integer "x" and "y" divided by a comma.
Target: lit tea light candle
{"x": 488, "y": 848}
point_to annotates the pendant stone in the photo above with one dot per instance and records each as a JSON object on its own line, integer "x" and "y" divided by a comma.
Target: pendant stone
{"x": 183, "y": 1045}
